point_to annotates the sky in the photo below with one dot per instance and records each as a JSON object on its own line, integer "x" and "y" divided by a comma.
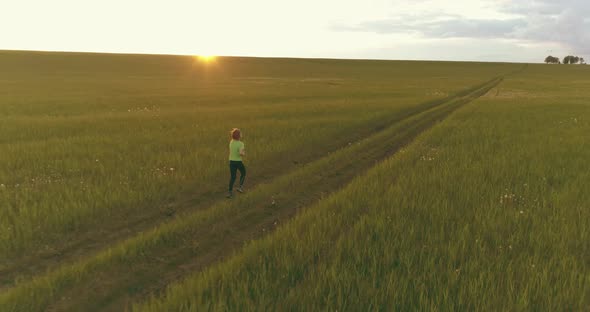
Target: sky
{"x": 458, "y": 30}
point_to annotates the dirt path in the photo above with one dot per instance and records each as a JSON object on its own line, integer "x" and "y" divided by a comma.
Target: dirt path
{"x": 117, "y": 287}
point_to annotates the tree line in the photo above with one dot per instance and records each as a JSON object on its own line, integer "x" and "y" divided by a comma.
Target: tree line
{"x": 570, "y": 59}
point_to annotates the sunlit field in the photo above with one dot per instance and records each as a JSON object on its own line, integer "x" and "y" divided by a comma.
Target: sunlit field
{"x": 89, "y": 137}
{"x": 379, "y": 185}
{"x": 488, "y": 211}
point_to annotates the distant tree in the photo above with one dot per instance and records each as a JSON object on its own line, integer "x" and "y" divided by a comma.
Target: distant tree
{"x": 551, "y": 60}
{"x": 582, "y": 61}
{"x": 571, "y": 59}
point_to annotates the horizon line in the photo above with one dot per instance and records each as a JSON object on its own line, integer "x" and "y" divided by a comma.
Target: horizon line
{"x": 252, "y": 56}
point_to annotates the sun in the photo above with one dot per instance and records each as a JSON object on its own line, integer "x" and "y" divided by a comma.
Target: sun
{"x": 206, "y": 58}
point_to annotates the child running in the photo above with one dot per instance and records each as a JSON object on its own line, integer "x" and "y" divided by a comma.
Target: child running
{"x": 236, "y": 152}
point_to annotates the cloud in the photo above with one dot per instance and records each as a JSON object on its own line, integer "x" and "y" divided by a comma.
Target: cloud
{"x": 566, "y": 22}
{"x": 562, "y": 21}
{"x": 446, "y": 27}
{"x": 541, "y": 7}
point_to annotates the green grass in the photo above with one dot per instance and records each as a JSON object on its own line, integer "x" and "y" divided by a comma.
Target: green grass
{"x": 162, "y": 241}
{"x": 90, "y": 138}
{"x": 487, "y": 211}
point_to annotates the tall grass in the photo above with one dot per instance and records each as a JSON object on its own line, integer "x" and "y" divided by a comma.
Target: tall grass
{"x": 44, "y": 290}
{"x": 488, "y": 211}
{"x": 88, "y": 138}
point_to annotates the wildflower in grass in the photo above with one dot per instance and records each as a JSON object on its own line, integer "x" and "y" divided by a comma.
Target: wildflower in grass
{"x": 430, "y": 156}
{"x": 508, "y": 198}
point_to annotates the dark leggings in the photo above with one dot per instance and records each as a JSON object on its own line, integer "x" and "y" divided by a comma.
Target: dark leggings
{"x": 233, "y": 167}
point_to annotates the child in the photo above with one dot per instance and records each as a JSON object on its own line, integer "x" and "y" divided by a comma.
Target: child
{"x": 236, "y": 152}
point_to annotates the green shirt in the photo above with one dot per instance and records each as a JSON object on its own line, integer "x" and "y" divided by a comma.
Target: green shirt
{"x": 234, "y": 150}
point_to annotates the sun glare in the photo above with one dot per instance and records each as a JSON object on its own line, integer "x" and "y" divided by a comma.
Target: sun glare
{"x": 206, "y": 58}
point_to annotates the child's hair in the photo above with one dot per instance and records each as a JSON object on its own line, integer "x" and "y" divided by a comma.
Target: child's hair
{"x": 235, "y": 134}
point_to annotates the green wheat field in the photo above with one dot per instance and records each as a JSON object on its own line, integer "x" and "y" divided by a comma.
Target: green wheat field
{"x": 372, "y": 185}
